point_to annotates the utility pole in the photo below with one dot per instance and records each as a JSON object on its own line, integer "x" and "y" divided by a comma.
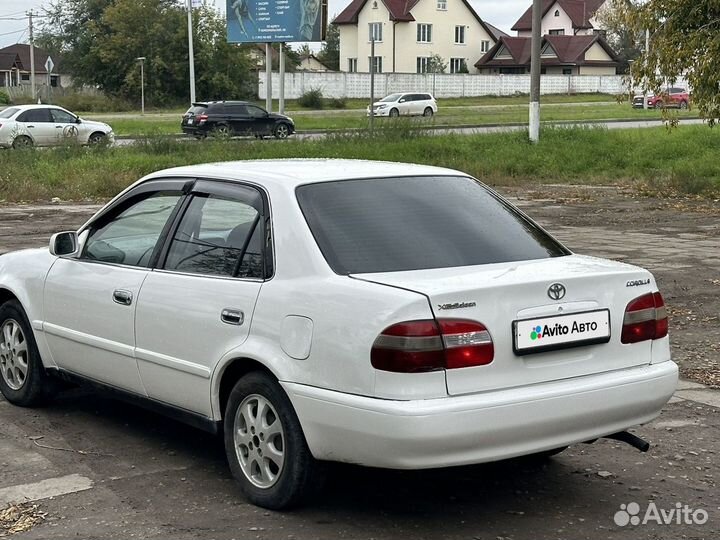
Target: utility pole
{"x": 141, "y": 59}
{"x": 191, "y": 52}
{"x": 281, "y": 106}
{"x": 647, "y": 51}
{"x": 268, "y": 77}
{"x": 372, "y": 84}
{"x": 32, "y": 54}
{"x": 535, "y": 71}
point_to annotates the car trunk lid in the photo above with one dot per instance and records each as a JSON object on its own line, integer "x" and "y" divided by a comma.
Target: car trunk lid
{"x": 499, "y": 295}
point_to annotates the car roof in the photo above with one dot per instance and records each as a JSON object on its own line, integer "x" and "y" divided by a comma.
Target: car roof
{"x": 290, "y": 173}
{"x": 33, "y": 106}
{"x": 206, "y": 103}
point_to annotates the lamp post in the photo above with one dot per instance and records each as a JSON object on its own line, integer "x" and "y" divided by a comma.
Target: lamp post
{"x": 141, "y": 59}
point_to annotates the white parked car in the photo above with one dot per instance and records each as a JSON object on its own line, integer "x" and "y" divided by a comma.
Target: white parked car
{"x": 412, "y": 104}
{"x": 48, "y": 125}
{"x": 383, "y": 314}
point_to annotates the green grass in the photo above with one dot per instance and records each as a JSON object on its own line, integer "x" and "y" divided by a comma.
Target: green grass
{"x": 169, "y": 123}
{"x": 681, "y": 160}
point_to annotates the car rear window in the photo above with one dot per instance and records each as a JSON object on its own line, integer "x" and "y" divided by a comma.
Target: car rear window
{"x": 7, "y": 113}
{"x": 197, "y": 109}
{"x": 399, "y": 224}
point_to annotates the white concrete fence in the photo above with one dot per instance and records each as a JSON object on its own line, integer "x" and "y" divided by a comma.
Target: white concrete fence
{"x": 357, "y": 85}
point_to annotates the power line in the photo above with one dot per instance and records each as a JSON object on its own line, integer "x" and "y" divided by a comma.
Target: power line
{"x": 14, "y": 32}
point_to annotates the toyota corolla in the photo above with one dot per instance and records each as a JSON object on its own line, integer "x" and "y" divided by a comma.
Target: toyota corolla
{"x": 383, "y": 314}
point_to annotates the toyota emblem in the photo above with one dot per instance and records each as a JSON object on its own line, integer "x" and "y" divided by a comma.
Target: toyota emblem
{"x": 556, "y": 291}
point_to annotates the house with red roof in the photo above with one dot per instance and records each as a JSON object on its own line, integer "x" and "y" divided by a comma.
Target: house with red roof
{"x": 15, "y": 67}
{"x": 560, "y": 55}
{"x": 408, "y": 33}
{"x": 565, "y": 18}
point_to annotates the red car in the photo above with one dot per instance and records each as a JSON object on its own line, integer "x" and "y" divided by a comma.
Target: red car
{"x": 671, "y": 97}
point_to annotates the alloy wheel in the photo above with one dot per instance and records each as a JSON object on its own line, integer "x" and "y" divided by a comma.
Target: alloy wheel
{"x": 259, "y": 441}
{"x": 281, "y": 131}
{"x": 13, "y": 354}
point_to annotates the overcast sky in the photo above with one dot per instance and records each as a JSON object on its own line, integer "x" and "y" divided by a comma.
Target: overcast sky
{"x": 501, "y": 13}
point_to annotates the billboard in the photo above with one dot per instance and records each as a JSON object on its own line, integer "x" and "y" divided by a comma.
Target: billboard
{"x": 270, "y": 21}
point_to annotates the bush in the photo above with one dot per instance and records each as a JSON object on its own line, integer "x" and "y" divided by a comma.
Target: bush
{"x": 312, "y": 99}
{"x": 77, "y": 101}
{"x": 4, "y": 98}
{"x": 337, "y": 103}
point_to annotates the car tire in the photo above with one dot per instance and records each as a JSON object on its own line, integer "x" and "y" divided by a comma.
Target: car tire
{"x": 684, "y": 105}
{"x": 23, "y": 381}
{"x": 97, "y": 138}
{"x": 265, "y": 445}
{"x": 281, "y": 131}
{"x": 428, "y": 112}
{"x": 394, "y": 113}
{"x": 221, "y": 130}
{"x": 23, "y": 141}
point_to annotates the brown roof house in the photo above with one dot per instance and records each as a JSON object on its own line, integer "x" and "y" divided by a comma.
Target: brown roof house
{"x": 565, "y": 18}
{"x": 408, "y": 33}
{"x": 15, "y": 68}
{"x": 561, "y": 55}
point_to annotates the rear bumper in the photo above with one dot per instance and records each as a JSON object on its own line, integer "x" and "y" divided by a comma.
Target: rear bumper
{"x": 478, "y": 428}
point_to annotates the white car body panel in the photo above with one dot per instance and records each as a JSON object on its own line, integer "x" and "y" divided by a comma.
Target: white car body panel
{"x": 314, "y": 330}
{"x": 50, "y": 133}
{"x": 188, "y": 308}
{"x": 87, "y": 331}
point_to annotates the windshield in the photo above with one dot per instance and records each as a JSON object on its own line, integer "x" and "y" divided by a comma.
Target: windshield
{"x": 399, "y": 224}
{"x": 391, "y": 98}
{"x": 7, "y": 113}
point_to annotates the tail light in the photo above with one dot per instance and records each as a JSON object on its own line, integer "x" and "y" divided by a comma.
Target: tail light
{"x": 431, "y": 345}
{"x": 202, "y": 118}
{"x": 645, "y": 318}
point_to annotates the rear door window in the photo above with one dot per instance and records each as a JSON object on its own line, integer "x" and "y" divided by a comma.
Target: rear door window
{"x": 399, "y": 224}
{"x": 236, "y": 110}
{"x": 219, "y": 236}
{"x": 35, "y": 115}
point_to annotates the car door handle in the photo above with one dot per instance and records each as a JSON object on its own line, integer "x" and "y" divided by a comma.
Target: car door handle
{"x": 30, "y": 126}
{"x": 232, "y": 316}
{"x": 59, "y": 127}
{"x": 122, "y": 297}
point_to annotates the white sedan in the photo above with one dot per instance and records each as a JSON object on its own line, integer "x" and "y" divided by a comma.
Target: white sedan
{"x": 383, "y": 314}
{"x": 48, "y": 125}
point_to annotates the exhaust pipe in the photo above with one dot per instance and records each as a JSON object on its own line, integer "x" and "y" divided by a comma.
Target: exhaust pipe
{"x": 632, "y": 440}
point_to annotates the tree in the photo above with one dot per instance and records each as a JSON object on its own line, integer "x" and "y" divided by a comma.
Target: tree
{"x": 626, "y": 42}
{"x": 436, "y": 64}
{"x": 100, "y": 41}
{"x": 304, "y": 50}
{"x": 684, "y": 42}
{"x": 330, "y": 52}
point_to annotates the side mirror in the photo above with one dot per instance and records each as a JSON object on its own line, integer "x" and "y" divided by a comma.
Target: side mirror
{"x": 78, "y": 120}
{"x": 63, "y": 244}
{"x": 402, "y": 100}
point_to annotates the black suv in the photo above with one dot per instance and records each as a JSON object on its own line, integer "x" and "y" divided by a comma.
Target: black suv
{"x": 234, "y": 118}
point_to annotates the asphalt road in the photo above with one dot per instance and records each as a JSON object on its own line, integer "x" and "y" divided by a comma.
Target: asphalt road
{"x": 473, "y": 130}
{"x": 102, "y": 469}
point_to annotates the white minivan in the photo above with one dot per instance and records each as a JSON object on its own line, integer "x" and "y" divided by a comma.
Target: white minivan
{"x": 408, "y": 104}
